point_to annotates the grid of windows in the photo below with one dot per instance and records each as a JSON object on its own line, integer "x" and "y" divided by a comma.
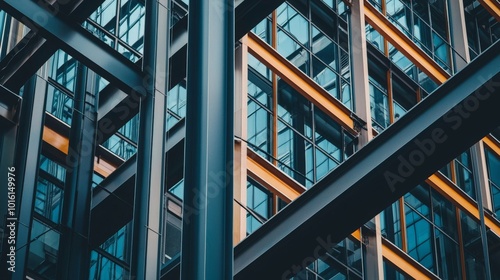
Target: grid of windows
{"x": 431, "y": 230}
{"x": 308, "y": 143}
{"x": 423, "y": 22}
{"x": 110, "y": 259}
{"x": 120, "y": 24}
{"x": 314, "y": 38}
{"x": 376, "y": 40}
{"x": 392, "y": 94}
{"x": 45, "y": 234}
{"x": 293, "y": 134}
{"x": 259, "y": 203}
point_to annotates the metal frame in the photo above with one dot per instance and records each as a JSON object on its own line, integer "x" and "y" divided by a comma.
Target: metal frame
{"x": 371, "y": 177}
{"x": 404, "y": 44}
{"x": 150, "y": 176}
{"x": 301, "y": 82}
{"x": 79, "y": 43}
{"x": 28, "y": 153}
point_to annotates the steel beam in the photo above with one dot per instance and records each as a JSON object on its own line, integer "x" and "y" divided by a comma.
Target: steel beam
{"x": 10, "y": 105}
{"x": 28, "y": 150}
{"x": 10, "y": 108}
{"x": 113, "y": 198}
{"x": 33, "y": 50}
{"x": 207, "y": 228}
{"x": 150, "y": 176}
{"x": 439, "y": 128}
{"x": 74, "y": 254}
{"x": 79, "y": 43}
{"x": 117, "y": 108}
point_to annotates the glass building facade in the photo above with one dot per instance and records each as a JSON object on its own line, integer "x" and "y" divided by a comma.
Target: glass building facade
{"x": 300, "y": 113}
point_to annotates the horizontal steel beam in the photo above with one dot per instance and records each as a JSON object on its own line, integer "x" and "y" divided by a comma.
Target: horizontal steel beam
{"x": 79, "y": 43}
{"x": 453, "y": 118}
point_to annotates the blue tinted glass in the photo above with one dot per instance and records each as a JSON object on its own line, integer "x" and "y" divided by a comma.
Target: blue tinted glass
{"x": 419, "y": 239}
{"x": 390, "y": 223}
{"x": 43, "y": 250}
{"x": 293, "y": 22}
{"x": 259, "y": 128}
{"x": 48, "y": 200}
{"x": 59, "y": 104}
{"x": 63, "y": 70}
{"x": 131, "y": 25}
{"x": 52, "y": 168}
{"x": 448, "y": 257}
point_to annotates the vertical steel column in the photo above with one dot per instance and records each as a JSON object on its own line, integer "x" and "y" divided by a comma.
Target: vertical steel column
{"x": 359, "y": 55}
{"x": 458, "y": 34}
{"x": 150, "y": 178}
{"x": 74, "y": 250}
{"x": 207, "y": 248}
{"x": 8, "y": 139}
{"x": 476, "y": 168}
{"x": 28, "y": 150}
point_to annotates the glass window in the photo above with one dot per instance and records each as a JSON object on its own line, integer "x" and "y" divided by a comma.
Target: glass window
{"x": 43, "y": 250}
{"x": 63, "y": 70}
{"x": 259, "y": 200}
{"x": 59, "y": 104}
{"x": 464, "y": 175}
{"x": 390, "y": 224}
{"x": 379, "y": 105}
{"x": 391, "y": 272}
{"x": 420, "y": 239}
{"x": 444, "y": 214}
{"x": 176, "y": 104}
{"x": 448, "y": 256}
{"x": 131, "y": 24}
{"x": 493, "y": 163}
{"x": 473, "y": 249}
{"x": 264, "y": 30}
{"x": 260, "y": 118}
{"x": 48, "y": 200}
{"x": 294, "y": 23}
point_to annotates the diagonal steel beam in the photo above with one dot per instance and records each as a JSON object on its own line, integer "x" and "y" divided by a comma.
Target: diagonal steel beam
{"x": 33, "y": 50}
{"x": 447, "y": 122}
{"x": 117, "y": 107}
{"x": 79, "y": 43}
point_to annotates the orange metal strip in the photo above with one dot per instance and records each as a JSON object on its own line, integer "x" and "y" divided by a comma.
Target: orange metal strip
{"x": 55, "y": 139}
{"x": 272, "y": 178}
{"x": 404, "y": 44}
{"x": 61, "y": 143}
{"x": 492, "y": 144}
{"x": 300, "y": 82}
{"x": 451, "y": 192}
{"x": 357, "y": 234}
{"x": 404, "y": 262}
{"x": 492, "y": 6}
